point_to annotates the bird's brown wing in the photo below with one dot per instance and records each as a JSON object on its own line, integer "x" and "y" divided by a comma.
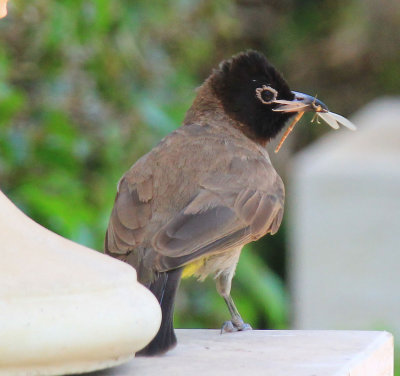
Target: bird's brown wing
{"x": 237, "y": 203}
{"x": 216, "y": 221}
{"x": 130, "y": 216}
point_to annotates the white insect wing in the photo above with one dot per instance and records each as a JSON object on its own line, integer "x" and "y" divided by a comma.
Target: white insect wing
{"x": 342, "y": 120}
{"x": 329, "y": 119}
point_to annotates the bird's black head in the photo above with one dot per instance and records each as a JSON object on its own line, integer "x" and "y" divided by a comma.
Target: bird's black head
{"x": 247, "y": 86}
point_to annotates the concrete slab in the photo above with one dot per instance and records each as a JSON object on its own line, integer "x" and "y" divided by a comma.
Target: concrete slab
{"x": 264, "y": 352}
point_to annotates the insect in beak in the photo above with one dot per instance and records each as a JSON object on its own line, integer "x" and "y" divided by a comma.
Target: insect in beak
{"x": 302, "y": 103}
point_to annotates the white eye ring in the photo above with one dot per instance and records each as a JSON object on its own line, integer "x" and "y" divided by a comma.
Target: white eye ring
{"x": 260, "y": 90}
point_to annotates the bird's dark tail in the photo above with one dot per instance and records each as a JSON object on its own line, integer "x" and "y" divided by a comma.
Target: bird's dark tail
{"x": 164, "y": 288}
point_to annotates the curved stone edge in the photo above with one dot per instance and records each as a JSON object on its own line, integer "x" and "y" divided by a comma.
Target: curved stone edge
{"x": 77, "y": 333}
{"x": 73, "y": 309}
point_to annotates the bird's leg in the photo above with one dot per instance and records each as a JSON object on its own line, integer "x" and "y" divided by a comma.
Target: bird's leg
{"x": 224, "y": 282}
{"x": 236, "y": 322}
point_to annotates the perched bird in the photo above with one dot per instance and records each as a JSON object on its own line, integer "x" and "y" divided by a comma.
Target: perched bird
{"x": 208, "y": 188}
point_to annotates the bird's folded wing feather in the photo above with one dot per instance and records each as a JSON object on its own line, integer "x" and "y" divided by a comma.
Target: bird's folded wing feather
{"x": 210, "y": 224}
{"x": 130, "y": 216}
{"x": 231, "y": 208}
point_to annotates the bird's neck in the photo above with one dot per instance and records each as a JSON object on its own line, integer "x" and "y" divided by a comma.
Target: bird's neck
{"x": 207, "y": 109}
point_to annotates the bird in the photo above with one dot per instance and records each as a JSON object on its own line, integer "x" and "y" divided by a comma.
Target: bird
{"x": 208, "y": 188}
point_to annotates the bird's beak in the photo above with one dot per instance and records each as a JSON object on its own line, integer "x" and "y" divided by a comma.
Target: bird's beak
{"x": 301, "y": 103}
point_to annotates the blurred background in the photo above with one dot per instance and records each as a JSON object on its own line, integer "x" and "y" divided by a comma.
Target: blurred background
{"x": 87, "y": 87}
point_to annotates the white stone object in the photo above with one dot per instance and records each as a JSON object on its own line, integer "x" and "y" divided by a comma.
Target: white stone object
{"x": 269, "y": 352}
{"x": 344, "y": 201}
{"x": 65, "y": 308}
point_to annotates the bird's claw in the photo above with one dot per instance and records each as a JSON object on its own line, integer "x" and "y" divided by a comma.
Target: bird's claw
{"x": 230, "y": 327}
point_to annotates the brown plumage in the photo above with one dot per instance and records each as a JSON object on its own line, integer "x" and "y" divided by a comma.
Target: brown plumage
{"x": 204, "y": 191}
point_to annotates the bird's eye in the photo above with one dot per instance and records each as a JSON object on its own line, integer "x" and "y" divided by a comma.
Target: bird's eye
{"x": 266, "y": 94}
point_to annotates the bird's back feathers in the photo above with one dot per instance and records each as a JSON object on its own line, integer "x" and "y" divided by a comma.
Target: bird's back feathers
{"x": 183, "y": 203}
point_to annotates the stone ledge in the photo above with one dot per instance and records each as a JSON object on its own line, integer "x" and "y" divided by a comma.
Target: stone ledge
{"x": 265, "y": 352}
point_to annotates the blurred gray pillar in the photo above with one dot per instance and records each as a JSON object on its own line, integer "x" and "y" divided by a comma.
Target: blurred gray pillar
{"x": 345, "y": 226}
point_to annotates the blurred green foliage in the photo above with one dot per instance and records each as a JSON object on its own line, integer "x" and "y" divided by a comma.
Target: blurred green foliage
{"x": 87, "y": 87}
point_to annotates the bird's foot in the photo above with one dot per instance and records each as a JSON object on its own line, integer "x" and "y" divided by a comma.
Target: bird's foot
{"x": 234, "y": 326}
